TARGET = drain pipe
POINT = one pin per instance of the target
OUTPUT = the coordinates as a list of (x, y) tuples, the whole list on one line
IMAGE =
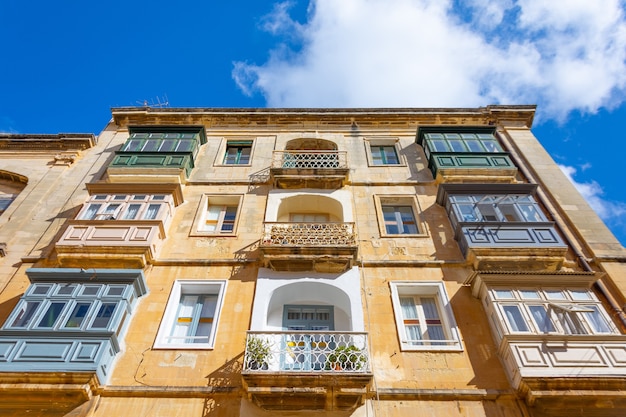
[(559, 222)]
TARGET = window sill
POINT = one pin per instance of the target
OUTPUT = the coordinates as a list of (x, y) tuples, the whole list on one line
[(198, 346), (419, 235), (211, 234)]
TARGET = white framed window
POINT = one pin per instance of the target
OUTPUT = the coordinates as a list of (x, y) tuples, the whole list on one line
[(537, 310), (191, 315), (398, 216), (125, 207), (383, 152), (218, 215), (423, 316)]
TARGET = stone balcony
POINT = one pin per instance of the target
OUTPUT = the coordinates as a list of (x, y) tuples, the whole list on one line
[(511, 246), (314, 370), (309, 169), (322, 247), (110, 243)]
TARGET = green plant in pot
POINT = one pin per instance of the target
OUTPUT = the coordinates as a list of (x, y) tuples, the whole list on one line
[(346, 358), (258, 353)]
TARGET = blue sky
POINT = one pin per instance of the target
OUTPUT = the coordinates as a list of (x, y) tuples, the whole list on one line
[(66, 63)]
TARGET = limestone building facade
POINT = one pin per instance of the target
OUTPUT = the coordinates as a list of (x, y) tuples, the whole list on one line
[(297, 262)]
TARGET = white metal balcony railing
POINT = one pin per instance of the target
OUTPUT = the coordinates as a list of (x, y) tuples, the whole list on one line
[(308, 234), (309, 352), (310, 159)]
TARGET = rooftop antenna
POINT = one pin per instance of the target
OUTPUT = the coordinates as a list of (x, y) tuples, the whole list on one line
[(158, 102)]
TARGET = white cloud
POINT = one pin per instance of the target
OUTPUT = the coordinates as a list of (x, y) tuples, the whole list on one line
[(563, 55), (609, 211)]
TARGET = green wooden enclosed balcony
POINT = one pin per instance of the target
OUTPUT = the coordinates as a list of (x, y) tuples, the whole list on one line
[(466, 156), (157, 154)]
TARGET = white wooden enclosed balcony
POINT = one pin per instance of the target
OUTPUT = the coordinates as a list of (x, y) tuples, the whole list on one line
[(306, 246), (325, 169), (307, 370), (119, 226)]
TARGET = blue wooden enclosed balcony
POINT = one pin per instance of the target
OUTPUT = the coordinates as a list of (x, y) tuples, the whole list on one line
[(469, 155), (502, 226)]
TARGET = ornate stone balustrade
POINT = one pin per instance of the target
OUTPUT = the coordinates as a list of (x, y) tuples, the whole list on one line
[(310, 159), (308, 234), (309, 352), (309, 169)]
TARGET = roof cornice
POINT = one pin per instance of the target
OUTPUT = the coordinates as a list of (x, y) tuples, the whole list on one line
[(518, 115)]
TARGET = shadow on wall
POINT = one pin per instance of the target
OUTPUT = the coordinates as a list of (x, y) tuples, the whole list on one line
[(226, 383)]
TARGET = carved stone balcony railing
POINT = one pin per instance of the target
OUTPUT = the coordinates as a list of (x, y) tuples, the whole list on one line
[(288, 370), (511, 245), (110, 243), (586, 368), (324, 247), (309, 169), (472, 167)]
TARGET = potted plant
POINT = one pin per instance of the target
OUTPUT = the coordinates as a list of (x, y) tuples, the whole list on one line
[(346, 358), (258, 353)]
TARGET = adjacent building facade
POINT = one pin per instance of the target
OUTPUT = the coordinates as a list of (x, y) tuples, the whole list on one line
[(263, 262)]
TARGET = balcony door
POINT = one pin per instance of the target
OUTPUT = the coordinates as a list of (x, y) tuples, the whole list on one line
[(305, 349)]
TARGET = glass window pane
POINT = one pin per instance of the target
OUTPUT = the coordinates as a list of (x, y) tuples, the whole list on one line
[(205, 320), (104, 315), (439, 146), (377, 155), (474, 145), (185, 146), (168, 145), (514, 318), (67, 289), (467, 213), (133, 145), (529, 294), (228, 223), (51, 315), (596, 319), (391, 222), (580, 295), (91, 211), (115, 291), (554, 295), (570, 322), (492, 146), (131, 212), (40, 289), (77, 316), (152, 145), (457, 145), (152, 211), (91, 290), (231, 156), (503, 294), (26, 312), (390, 155), (244, 155), (539, 314)]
